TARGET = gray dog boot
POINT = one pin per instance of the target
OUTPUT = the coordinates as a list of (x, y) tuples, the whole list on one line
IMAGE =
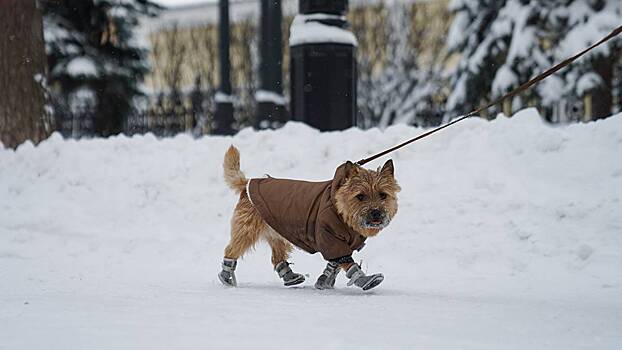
[(327, 278), (358, 278), (227, 275), (290, 278)]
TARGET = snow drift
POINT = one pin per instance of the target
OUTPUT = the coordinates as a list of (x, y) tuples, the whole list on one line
[(508, 236)]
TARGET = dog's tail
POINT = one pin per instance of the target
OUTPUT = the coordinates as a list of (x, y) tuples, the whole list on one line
[(234, 177)]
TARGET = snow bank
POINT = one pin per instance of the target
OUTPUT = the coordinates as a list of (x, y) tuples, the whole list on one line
[(508, 237)]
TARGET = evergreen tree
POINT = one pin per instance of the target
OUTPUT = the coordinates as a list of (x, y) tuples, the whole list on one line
[(480, 50), (500, 47), (383, 93), (95, 60), (400, 73), (398, 90), (578, 24), (505, 43)]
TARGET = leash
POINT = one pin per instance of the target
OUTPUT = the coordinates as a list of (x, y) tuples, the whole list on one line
[(512, 93)]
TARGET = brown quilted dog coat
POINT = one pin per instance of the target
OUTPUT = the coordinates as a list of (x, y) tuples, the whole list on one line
[(304, 213)]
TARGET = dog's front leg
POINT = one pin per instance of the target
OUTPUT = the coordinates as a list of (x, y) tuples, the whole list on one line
[(327, 278), (353, 272), (360, 279)]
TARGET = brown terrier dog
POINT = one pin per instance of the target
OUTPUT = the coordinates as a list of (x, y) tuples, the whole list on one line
[(332, 217)]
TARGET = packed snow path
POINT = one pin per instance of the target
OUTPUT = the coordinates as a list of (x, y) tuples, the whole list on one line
[(509, 236)]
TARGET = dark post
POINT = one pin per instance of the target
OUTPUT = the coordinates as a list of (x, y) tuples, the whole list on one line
[(223, 120), (323, 66), (271, 111)]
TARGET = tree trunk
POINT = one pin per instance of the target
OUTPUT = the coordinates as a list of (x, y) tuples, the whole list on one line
[(22, 72)]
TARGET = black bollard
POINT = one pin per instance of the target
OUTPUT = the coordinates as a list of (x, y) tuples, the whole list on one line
[(323, 66), (223, 118)]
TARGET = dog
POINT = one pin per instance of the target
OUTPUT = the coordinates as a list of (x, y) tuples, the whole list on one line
[(332, 217)]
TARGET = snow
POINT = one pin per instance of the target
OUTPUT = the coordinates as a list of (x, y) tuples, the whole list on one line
[(588, 27), (507, 237), (221, 97), (53, 31), (458, 95), (551, 90), (455, 36), (306, 30), (270, 96), (587, 82), (81, 66), (505, 79), (81, 99)]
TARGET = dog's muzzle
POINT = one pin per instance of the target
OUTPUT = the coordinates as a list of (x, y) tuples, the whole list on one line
[(376, 218)]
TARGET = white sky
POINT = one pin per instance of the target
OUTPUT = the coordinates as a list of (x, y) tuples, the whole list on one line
[(180, 2)]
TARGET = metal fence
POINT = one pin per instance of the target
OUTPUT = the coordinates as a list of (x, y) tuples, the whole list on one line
[(163, 123)]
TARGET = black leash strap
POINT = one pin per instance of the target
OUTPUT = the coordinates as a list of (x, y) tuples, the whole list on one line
[(512, 93)]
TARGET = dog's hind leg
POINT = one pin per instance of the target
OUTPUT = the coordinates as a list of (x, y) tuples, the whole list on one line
[(246, 227), (280, 247), (280, 253)]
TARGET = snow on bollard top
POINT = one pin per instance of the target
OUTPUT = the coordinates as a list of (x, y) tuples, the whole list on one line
[(306, 29)]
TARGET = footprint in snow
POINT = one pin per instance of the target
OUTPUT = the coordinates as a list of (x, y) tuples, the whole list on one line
[(584, 252)]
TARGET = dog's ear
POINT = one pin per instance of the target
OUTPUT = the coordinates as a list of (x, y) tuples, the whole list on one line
[(387, 168), (343, 172), (351, 169)]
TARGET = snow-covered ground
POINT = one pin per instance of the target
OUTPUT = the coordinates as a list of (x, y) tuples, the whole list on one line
[(509, 236)]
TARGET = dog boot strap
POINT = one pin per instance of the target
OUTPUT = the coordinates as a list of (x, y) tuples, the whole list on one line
[(327, 279), (331, 269), (229, 265), (354, 273), (283, 268)]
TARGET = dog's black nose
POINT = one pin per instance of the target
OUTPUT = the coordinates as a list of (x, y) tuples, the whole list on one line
[(375, 214)]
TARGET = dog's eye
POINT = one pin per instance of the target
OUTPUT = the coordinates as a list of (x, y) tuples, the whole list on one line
[(383, 195), (361, 197)]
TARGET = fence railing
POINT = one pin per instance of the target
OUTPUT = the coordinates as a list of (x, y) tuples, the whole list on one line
[(162, 123), (165, 119)]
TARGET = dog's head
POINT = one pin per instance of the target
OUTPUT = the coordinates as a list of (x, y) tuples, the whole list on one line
[(366, 199)]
